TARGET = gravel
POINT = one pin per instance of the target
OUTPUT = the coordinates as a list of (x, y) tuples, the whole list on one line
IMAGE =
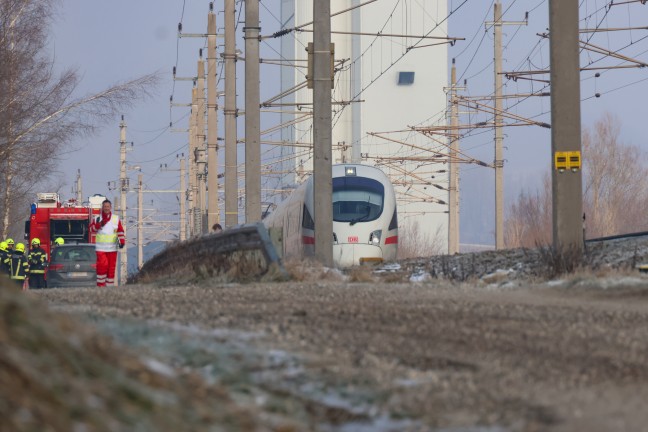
[(475, 342)]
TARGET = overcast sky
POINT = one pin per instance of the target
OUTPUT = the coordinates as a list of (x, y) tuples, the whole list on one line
[(117, 40)]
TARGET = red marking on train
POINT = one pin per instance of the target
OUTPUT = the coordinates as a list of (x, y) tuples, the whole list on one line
[(391, 240), (352, 239), (308, 240)]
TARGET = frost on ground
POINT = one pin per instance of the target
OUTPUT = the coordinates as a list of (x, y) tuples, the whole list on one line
[(387, 349), (60, 374)]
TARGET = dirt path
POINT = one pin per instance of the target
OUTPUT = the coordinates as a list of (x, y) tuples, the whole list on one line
[(532, 358)]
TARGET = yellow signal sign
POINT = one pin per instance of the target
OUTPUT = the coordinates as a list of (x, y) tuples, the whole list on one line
[(570, 160)]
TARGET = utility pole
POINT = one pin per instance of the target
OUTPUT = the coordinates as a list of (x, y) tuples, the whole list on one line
[(201, 159), (213, 213), (140, 222), (123, 180), (453, 186), (322, 134), (231, 180), (182, 195), (498, 121), (193, 138), (566, 129), (79, 189), (183, 192), (499, 135), (252, 114), (356, 82), (192, 166)]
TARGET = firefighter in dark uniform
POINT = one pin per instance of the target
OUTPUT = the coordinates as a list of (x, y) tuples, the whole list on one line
[(37, 263), (4, 254), (18, 265)]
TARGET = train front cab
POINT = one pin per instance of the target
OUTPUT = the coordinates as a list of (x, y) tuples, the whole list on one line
[(365, 226)]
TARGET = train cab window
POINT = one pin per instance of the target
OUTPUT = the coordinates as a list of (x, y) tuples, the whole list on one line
[(357, 199), (307, 220), (393, 224)]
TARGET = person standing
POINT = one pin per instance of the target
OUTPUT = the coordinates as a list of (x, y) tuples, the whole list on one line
[(57, 242), (18, 265), (4, 254), (109, 235), (37, 262)]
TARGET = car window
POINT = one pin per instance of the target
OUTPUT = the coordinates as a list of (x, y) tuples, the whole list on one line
[(58, 255), (75, 254)]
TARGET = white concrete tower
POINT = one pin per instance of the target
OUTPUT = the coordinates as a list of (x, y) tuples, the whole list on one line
[(383, 85)]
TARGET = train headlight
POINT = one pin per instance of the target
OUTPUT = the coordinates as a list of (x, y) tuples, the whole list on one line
[(374, 237)]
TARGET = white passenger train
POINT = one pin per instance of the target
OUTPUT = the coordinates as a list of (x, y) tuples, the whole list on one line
[(365, 223)]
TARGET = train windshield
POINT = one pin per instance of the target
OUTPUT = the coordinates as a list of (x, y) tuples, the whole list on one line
[(357, 199)]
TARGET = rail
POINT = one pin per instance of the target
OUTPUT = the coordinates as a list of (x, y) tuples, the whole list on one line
[(618, 237)]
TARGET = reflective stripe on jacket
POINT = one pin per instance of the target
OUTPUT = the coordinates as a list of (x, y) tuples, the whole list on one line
[(18, 266), (106, 238), (37, 260)]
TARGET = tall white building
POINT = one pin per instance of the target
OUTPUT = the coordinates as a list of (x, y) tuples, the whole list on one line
[(390, 75)]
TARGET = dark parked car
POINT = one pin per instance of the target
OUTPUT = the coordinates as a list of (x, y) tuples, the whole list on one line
[(73, 265)]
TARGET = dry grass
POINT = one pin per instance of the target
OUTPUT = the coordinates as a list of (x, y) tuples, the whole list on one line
[(361, 274), (415, 243), (558, 262), (395, 277), (599, 273), (58, 373), (310, 270)]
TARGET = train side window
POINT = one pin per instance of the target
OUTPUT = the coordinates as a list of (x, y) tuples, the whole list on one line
[(394, 221), (307, 220)]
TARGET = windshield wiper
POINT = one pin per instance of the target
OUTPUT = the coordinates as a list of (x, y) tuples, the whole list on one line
[(354, 221)]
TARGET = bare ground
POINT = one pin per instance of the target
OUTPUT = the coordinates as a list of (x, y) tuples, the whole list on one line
[(439, 355)]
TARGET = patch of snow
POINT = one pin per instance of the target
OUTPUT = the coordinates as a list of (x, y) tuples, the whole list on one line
[(497, 276), (215, 332), (159, 367), (380, 424), (509, 284), (389, 267), (608, 283), (420, 276)]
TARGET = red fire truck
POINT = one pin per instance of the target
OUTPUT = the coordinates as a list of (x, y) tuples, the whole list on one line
[(50, 218)]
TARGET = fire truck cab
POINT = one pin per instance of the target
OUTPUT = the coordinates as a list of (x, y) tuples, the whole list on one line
[(51, 218)]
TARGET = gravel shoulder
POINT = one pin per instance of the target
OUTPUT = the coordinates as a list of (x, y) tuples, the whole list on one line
[(437, 355)]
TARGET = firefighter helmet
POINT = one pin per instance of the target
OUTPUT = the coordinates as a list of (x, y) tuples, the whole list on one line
[(59, 241), (10, 241), (36, 241), (20, 247), (3, 246)]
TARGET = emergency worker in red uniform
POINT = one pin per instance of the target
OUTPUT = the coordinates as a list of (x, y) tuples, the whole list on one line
[(109, 235)]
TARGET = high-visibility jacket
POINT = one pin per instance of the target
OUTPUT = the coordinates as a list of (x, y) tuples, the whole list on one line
[(18, 266), (37, 260), (4, 254), (110, 235)]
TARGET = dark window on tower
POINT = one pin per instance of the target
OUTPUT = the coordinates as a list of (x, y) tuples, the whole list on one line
[(405, 78)]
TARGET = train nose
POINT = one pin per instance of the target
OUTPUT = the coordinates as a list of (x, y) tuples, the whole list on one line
[(348, 255)]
